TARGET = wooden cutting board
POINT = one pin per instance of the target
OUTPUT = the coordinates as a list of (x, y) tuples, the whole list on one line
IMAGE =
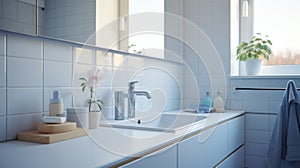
[(36, 136), (57, 128)]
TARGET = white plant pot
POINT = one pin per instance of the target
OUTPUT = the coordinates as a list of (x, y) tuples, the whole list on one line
[(94, 119), (253, 67), (80, 115)]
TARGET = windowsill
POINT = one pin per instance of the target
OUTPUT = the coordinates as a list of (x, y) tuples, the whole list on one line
[(265, 77)]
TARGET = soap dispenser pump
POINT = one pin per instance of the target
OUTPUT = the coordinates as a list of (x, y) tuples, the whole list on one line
[(56, 106)]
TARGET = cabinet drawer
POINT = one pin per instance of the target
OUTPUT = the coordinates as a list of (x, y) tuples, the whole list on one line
[(194, 153), (237, 159), (166, 157), (236, 133)]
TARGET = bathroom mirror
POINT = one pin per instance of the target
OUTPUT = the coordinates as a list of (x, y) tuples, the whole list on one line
[(104, 23), (19, 15)]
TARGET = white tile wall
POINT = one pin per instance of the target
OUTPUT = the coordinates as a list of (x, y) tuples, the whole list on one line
[(254, 136), (19, 123), (24, 72), (255, 162), (257, 122), (57, 74), (256, 149), (24, 100), (103, 58), (57, 51), (2, 102), (2, 42), (2, 71), (84, 55), (106, 95), (33, 74), (11, 10), (80, 99), (26, 13), (106, 76), (24, 46), (81, 70), (2, 129)]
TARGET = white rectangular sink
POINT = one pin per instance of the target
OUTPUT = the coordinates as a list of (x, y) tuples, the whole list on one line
[(165, 122)]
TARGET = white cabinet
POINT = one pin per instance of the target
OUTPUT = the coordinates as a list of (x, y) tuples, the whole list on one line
[(194, 153), (236, 159), (219, 146), (166, 157), (236, 133)]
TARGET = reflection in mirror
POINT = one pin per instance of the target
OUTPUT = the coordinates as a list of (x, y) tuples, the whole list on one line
[(104, 23), (19, 15), (70, 20)]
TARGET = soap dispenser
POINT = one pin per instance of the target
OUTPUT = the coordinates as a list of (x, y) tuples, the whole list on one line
[(56, 106), (218, 103), (207, 101), (206, 104)]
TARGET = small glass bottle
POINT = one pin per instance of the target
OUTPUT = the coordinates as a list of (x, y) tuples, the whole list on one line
[(56, 106), (218, 103)]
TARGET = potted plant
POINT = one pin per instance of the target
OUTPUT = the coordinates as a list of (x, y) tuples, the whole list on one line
[(95, 104), (252, 53)]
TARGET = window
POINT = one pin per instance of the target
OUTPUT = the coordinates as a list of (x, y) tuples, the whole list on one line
[(280, 21), (148, 43)]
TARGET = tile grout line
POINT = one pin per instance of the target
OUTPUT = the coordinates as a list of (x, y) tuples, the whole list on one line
[(6, 91), (43, 77)]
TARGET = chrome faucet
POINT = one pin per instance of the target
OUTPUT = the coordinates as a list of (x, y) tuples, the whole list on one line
[(131, 98)]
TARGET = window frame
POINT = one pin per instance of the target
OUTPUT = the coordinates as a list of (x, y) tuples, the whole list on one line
[(246, 31)]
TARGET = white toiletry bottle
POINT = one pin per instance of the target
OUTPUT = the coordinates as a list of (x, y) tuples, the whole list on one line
[(56, 106), (218, 103)]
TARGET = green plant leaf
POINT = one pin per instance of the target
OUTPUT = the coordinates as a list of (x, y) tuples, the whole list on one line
[(83, 88), (83, 79)]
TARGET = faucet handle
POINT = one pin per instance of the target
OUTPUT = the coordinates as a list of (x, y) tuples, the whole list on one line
[(131, 84)]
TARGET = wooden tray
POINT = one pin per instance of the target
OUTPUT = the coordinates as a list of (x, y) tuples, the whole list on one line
[(57, 128), (35, 136)]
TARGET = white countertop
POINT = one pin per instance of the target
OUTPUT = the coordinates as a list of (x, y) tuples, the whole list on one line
[(102, 147)]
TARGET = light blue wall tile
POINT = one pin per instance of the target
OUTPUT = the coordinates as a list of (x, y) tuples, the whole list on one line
[(79, 71), (24, 46), (23, 72), (2, 43), (2, 129), (57, 74), (104, 58), (106, 95), (24, 100), (2, 71), (26, 13), (236, 105), (120, 60), (256, 96), (257, 149), (257, 122), (19, 123), (255, 162), (274, 107), (258, 107), (57, 51), (2, 101), (272, 121), (254, 136), (84, 56), (120, 78), (11, 10)]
